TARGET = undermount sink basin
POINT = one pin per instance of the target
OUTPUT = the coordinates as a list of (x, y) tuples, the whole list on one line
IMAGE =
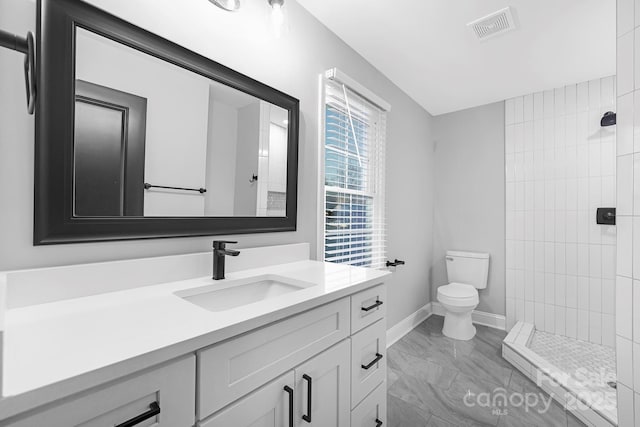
[(228, 294)]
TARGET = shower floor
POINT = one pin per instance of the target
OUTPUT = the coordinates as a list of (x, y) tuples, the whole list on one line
[(576, 373)]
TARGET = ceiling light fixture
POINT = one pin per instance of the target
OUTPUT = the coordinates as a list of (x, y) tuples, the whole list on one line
[(277, 16), (228, 5)]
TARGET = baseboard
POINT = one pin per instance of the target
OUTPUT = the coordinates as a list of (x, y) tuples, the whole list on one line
[(491, 320), (407, 324)]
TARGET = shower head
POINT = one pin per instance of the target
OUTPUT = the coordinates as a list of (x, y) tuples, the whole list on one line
[(609, 119)]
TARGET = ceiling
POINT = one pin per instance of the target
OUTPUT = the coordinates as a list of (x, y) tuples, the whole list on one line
[(426, 49)]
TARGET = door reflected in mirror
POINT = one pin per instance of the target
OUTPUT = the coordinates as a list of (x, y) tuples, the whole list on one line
[(153, 139)]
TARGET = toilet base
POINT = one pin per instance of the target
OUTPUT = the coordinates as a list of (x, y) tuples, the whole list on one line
[(458, 326)]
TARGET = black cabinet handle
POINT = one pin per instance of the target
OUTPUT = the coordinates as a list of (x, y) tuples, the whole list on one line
[(154, 409), (289, 390), (378, 423), (309, 380), (378, 303), (373, 362)]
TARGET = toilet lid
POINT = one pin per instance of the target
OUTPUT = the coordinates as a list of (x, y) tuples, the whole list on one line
[(457, 290)]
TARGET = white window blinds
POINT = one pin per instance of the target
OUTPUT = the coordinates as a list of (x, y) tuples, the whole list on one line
[(354, 179)]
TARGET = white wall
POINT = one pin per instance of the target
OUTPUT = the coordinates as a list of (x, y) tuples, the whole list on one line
[(628, 211), (177, 118), (247, 145), (469, 204), (560, 167), (292, 64), (221, 149)]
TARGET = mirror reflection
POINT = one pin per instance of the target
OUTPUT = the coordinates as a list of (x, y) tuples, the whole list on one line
[(153, 139)]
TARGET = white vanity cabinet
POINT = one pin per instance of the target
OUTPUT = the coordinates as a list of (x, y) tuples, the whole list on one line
[(162, 397)]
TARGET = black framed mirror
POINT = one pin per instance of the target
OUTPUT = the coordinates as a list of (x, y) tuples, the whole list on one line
[(138, 137)]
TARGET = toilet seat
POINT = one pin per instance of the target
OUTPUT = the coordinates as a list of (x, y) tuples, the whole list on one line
[(458, 295)]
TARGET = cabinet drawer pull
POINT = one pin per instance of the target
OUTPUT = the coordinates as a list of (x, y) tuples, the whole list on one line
[(154, 409), (289, 391), (378, 423), (378, 303), (373, 362), (309, 380)]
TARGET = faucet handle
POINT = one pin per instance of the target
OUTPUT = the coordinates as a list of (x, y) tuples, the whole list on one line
[(219, 244)]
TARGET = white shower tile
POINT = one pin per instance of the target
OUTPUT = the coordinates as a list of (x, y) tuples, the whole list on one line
[(549, 288), (609, 296), (510, 139), (560, 258), (509, 225), (625, 16), (570, 124), (520, 310), (549, 257), (528, 107), (583, 260), (538, 105), (572, 323), (539, 287), (518, 109), (561, 226), (582, 100), (608, 330), (509, 167), (538, 196), (595, 261), (608, 191), (518, 254), (529, 196), (583, 293), (538, 261), (594, 94), (548, 134), (519, 280), (539, 315), (636, 60), (518, 225), (509, 111), (549, 195), (571, 195), (561, 195), (582, 161), (572, 227), (519, 195), (510, 283), (510, 312), (595, 327), (637, 22), (561, 290), (636, 247), (595, 169), (529, 285), (549, 226), (583, 325), (624, 307), (636, 184), (608, 262), (548, 166), (608, 234), (608, 93), (549, 102), (538, 134), (608, 158), (549, 318), (560, 319), (538, 231), (625, 406), (529, 312), (624, 246), (625, 124), (624, 361), (595, 193), (636, 311), (559, 102), (595, 295), (624, 64), (636, 366), (625, 183), (529, 256), (510, 196), (571, 259), (572, 291)]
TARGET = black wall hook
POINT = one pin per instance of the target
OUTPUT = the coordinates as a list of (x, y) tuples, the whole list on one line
[(24, 45)]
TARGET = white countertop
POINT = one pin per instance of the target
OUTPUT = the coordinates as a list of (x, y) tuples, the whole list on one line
[(57, 349)]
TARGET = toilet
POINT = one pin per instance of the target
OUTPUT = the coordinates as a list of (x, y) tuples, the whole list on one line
[(467, 272)]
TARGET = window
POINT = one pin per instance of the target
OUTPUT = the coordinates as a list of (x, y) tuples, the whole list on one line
[(354, 147)]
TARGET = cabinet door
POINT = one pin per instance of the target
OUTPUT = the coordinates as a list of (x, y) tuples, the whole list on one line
[(269, 406), (327, 376), (368, 363), (372, 411), (163, 397)]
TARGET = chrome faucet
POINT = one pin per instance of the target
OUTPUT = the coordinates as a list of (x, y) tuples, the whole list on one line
[(219, 253)]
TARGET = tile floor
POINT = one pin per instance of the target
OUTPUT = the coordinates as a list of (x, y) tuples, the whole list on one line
[(435, 381)]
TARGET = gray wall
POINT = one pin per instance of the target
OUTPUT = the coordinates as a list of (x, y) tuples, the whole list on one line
[(292, 64), (470, 203)]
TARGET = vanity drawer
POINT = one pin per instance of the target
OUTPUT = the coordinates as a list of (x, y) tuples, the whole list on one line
[(368, 360), (171, 387), (367, 307), (234, 368), (373, 409)]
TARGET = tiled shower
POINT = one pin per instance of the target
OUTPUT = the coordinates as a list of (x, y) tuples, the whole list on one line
[(560, 167)]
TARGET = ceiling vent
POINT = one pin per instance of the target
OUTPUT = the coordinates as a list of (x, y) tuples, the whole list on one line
[(493, 24)]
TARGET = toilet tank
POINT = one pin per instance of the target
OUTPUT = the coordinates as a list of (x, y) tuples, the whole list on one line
[(471, 268)]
